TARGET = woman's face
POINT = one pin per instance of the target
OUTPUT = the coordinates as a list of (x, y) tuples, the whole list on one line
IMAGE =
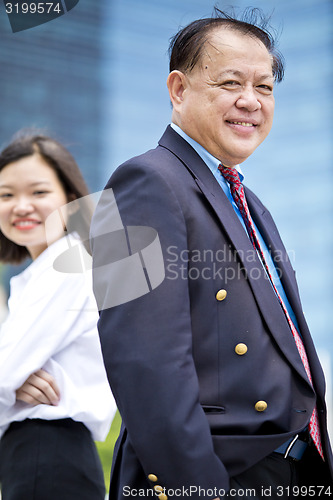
[(29, 192)]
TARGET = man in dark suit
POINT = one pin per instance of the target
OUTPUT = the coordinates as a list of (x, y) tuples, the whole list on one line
[(213, 370)]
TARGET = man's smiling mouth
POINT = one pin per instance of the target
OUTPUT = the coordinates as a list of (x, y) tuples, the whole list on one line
[(244, 124)]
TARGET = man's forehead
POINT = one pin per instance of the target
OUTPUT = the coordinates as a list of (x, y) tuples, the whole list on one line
[(230, 42), (223, 39), (242, 74)]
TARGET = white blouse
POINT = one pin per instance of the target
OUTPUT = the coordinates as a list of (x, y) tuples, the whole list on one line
[(52, 325)]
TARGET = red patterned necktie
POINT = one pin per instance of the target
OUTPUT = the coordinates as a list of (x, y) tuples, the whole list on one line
[(237, 191)]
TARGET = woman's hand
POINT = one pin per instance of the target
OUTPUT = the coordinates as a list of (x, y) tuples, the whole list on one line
[(39, 388)]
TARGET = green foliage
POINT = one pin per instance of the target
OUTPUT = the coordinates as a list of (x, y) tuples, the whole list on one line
[(105, 449)]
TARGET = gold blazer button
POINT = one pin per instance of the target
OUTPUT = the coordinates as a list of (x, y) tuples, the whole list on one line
[(260, 405), (221, 295), (241, 349), (152, 478)]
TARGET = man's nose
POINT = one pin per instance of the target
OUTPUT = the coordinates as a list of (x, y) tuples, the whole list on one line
[(248, 100)]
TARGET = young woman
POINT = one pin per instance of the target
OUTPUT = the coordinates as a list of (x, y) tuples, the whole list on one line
[(54, 396)]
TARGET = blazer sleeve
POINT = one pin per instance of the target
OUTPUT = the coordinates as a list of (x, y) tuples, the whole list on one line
[(147, 346)]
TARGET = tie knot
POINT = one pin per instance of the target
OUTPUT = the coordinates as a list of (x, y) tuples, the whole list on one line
[(230, 175)]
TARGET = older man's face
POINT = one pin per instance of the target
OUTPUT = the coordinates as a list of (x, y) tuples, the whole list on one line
[(227, 101)]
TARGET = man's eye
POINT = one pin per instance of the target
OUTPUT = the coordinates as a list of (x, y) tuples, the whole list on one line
[(265, 88)]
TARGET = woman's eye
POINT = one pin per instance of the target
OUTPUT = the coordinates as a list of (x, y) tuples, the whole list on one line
[(40, 192), (5, 195)]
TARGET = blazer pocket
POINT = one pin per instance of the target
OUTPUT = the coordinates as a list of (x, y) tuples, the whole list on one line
[(213, 409)]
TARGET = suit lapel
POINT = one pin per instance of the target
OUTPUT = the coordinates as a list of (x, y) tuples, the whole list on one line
[(265, 296), (269, 231), (270, 234)]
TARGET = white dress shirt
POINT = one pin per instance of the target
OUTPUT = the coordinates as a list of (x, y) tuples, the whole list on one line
[(52, 325)]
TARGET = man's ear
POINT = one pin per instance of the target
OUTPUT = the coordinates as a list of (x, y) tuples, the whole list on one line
[(176, 83)]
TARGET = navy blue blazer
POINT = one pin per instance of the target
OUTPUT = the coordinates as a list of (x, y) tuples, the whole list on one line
[(187, 399)]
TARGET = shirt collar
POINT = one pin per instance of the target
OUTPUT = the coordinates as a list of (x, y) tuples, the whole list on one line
[(46, 258), (211, 162)]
